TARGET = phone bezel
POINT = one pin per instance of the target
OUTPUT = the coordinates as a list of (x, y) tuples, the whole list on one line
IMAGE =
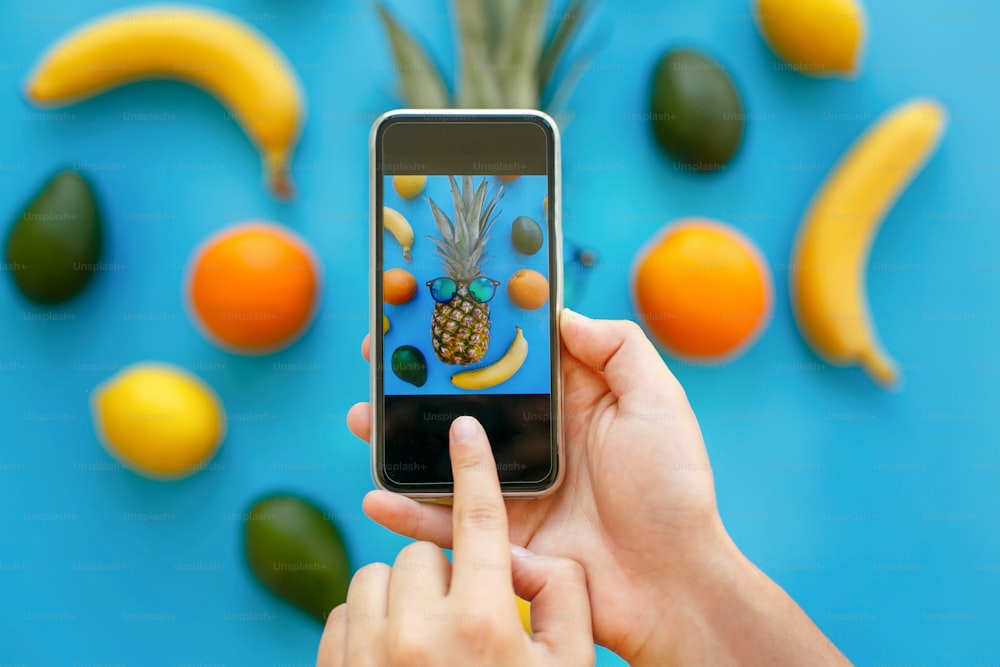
[(554, 168)]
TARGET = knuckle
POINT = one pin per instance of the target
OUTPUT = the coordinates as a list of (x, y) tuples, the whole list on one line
[(410, 647), (483, 515), (631, 329), (570, 571), (337, 615), (480, 633), (372, 571), (416, 552)]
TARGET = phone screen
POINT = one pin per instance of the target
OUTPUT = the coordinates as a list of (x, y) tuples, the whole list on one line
[(467, 314)]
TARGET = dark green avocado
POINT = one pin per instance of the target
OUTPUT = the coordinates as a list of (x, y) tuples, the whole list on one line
[(695, 110), (297, 553), (53, 249), (409, 365)]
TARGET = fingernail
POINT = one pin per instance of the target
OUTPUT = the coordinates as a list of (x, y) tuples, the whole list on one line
[(520, 552), (465, 429)]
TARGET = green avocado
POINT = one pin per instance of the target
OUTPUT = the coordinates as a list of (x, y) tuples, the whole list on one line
[(297, 553), (696, 111), (409, 365), (53, 249), (526, 235)]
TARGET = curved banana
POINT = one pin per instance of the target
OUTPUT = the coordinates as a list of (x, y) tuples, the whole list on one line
[(399, 227), (209, 49), (830, 256), (499, 371)]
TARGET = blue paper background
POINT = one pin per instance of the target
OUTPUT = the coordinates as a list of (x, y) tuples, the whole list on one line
[(411, 322), (877, 511)]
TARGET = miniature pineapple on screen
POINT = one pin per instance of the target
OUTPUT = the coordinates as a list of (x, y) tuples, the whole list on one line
[(460, 328)]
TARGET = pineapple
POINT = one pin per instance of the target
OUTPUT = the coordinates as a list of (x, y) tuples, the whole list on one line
[(460, 328), (506, 61)]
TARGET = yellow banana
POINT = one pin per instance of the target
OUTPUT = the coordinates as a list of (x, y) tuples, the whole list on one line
[(209, 49), (499, 371), (829, 261), (399, 227), (524, 611)]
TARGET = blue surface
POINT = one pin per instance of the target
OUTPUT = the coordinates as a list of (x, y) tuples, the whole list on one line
[(411, 322), (877, 511)]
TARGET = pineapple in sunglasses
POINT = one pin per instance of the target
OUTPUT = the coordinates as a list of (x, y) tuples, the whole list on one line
[(460, 329)]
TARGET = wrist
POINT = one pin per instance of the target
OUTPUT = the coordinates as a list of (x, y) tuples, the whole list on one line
[(691, 602), (722, 610)]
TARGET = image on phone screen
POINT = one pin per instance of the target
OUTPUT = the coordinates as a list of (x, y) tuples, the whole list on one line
[(467, 311)]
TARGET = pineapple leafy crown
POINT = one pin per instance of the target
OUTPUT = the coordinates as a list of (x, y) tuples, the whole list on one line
[(462, 243), (506, 60)]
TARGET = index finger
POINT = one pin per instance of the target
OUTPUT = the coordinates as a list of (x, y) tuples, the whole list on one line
[(481, 543)]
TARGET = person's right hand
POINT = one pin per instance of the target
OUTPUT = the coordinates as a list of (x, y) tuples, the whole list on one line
[(637, 506)]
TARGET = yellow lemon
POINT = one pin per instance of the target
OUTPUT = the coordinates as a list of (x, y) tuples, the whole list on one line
[(820, 38), (409, 187), (158, 420), (524, 610)]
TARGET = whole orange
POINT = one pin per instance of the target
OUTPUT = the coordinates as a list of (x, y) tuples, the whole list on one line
[(528, 289), (254, 288), (702, 290), (398, 286)]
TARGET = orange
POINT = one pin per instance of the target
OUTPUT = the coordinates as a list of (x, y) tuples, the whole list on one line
[(528, 289), (254, 287), (398, 287), (509, 178), (702, 290)]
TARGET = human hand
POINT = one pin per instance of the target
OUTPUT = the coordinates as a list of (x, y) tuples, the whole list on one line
[(428, 611), (637, 505)]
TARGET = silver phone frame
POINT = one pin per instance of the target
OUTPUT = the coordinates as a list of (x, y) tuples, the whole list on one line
[(557, 271)]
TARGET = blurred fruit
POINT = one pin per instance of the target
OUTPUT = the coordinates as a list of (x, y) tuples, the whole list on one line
[(385, 325), (398, 287), (254, 288), (409, 365), (828, 264), (509, 178), (212, 50), (526, 235), (499, 371), (524, 611), (54, 247), (508, 56), (702, 290), (820, 38), (294, 549), (400, 228), (158, 420), (528, 289), (696, 112), (409, 187)]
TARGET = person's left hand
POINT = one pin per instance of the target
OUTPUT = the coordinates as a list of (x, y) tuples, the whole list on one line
[(428, 611)]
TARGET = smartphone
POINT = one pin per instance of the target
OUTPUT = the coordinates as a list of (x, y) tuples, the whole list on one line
[(466, 289)]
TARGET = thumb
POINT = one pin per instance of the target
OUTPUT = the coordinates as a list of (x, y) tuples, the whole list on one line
[(633, 370), (560, 606)]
